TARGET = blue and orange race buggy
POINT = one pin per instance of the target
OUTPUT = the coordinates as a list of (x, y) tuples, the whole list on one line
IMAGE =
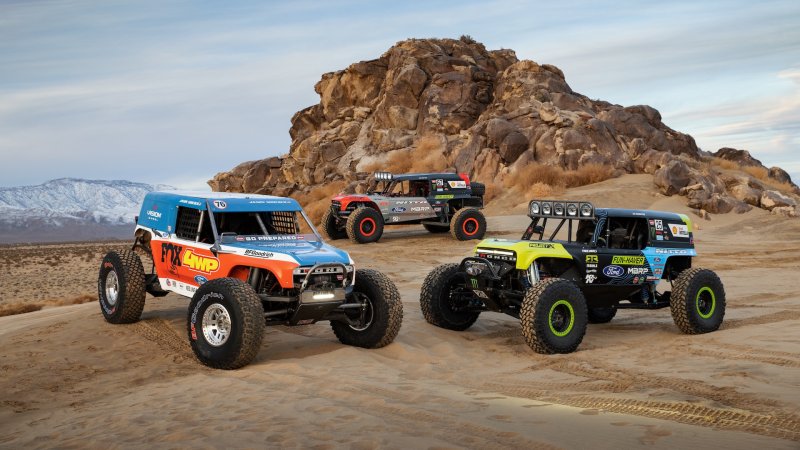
[(246, 261), (591, 263)]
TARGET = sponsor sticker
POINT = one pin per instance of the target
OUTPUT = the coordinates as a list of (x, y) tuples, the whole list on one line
[(200, 279), (590, 279), (199, 263), (444, 196), (219, 204), (628, 260), (672, 251), (679, 230), (541, 245), (591, 258), (461, 184), (613, 271), (258, 253), (398, 209), (659, 225), (637, 270)]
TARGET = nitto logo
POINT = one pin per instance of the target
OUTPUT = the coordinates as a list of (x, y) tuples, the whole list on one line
[(200, 263), (613, 271)]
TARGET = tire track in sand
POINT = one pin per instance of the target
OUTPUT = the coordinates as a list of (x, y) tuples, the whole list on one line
[(160, 332)]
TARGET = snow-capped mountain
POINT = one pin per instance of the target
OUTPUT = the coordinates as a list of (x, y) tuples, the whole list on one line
[(71, 209)]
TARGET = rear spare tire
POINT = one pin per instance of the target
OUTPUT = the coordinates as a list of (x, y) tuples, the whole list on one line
[(226, 323), (120, 287), (478, 189)]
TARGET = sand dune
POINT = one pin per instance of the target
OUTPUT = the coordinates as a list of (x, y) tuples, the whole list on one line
[(69, 379)]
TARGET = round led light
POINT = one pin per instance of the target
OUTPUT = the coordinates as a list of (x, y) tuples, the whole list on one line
[(572, 209), (586, 210), (546, 208), (535, 208), (558, 209)]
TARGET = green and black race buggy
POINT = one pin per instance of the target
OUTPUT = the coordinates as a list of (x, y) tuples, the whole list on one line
[(591, 263)]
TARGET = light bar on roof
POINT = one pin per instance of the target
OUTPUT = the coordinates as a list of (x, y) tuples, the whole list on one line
[(383, 175), (562, 209)]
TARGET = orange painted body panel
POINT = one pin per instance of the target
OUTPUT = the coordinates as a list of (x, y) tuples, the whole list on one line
[(183, 262)]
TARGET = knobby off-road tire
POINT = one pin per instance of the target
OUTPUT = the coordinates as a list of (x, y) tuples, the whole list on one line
[(436, 301), (120, 287), (364, 225), (697, 301), (553, 316), (383, 316), (329, 225), (468, 223), (602, 315), (478, 189), (436, 228), (225, 323)]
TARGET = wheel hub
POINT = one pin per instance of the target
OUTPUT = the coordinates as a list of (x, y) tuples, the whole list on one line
[(112, 287), (216, 325), (367, 313)]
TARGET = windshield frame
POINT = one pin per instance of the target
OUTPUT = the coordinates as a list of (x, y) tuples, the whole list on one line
[(309, 223)]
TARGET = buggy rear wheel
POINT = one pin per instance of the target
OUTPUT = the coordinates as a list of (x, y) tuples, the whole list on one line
[(697, 301), (120, 287), (602, 315)]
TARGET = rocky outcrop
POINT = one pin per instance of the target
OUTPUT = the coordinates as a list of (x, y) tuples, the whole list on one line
[(492, 114)]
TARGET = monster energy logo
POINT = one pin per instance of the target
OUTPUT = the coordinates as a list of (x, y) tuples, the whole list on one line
[(474, 283)]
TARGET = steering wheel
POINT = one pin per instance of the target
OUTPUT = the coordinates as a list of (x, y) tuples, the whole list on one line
[(601, 242)]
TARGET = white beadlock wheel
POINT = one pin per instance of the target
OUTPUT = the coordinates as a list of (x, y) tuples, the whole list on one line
[(216, 325)]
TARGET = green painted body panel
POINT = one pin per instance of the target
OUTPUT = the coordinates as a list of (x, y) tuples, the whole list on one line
[(526, 251)]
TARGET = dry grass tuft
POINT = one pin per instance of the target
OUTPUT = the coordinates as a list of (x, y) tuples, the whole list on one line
[(759, 173), (425, 157), (319, 199)]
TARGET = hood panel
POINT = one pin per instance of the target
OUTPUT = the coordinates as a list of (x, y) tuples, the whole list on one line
[(306, 253)]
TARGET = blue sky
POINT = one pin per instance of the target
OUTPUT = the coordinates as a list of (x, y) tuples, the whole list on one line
[(175, 91)]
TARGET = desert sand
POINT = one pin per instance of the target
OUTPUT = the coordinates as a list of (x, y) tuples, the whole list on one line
[(69, 379)]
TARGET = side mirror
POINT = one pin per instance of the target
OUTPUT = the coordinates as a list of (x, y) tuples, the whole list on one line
[(215, 249)]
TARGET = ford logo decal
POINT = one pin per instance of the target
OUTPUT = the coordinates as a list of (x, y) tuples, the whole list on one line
[(200, 279), (398, 209), (613, 271)]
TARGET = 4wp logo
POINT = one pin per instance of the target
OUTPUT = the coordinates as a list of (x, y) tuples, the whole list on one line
[(176, 256)]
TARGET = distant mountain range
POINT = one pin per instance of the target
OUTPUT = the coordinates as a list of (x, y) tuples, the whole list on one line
[(71, 209)]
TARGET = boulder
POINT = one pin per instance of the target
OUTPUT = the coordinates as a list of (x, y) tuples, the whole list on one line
[(741, 157), (672, 177), (774, 199)]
